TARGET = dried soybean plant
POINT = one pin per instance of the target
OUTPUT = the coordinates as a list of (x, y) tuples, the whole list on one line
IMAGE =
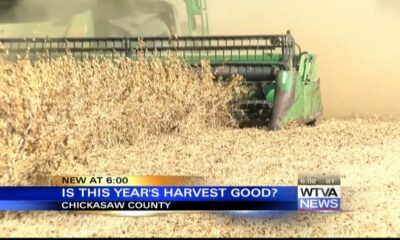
[(59, 110)]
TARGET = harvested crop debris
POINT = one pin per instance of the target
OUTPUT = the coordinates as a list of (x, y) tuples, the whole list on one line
[(64, 109)]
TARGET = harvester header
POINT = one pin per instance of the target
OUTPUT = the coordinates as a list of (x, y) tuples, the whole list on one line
[(281, 85)]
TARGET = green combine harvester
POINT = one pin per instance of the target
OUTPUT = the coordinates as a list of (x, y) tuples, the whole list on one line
[(282, 84)]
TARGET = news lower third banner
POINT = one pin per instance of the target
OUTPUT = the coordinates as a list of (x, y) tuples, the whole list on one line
[(170, 194)]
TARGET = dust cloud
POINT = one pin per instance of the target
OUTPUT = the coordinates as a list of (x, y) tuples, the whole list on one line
[(357, 42), (86, 18)]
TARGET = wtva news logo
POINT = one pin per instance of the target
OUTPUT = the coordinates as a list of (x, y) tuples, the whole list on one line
[(319, 194)]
